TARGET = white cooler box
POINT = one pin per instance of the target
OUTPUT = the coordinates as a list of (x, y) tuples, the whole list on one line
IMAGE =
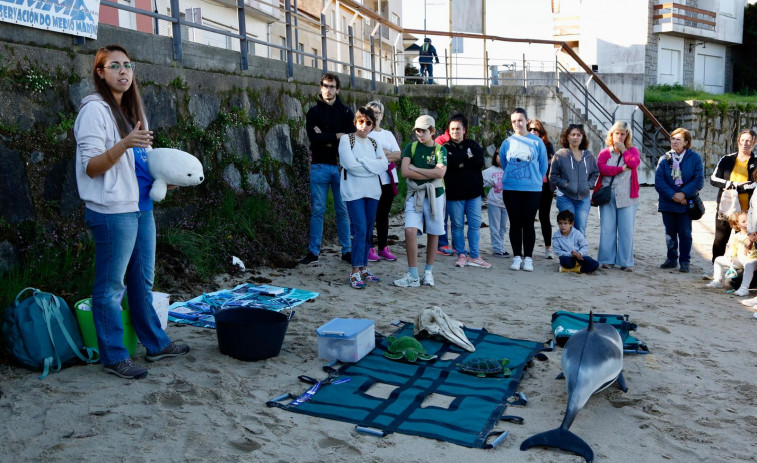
[(346, 339)]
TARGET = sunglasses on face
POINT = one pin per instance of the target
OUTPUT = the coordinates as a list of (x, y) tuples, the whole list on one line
[(531, 129), (114, 66), (576, 126), (366, 122)]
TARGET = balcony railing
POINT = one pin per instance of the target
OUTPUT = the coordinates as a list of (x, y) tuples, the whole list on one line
[(682, 15)]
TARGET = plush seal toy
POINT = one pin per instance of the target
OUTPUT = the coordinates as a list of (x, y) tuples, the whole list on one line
[(170, 166)]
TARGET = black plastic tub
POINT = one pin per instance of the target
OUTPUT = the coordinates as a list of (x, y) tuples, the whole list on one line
[(251, 334)]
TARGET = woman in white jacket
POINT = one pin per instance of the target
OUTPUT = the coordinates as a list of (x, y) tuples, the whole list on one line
[(362, 162), (112, 139)]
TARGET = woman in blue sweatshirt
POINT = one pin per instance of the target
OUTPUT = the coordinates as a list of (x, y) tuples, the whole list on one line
[(524, 161)]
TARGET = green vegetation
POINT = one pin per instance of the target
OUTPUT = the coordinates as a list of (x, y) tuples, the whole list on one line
[(673, 93)]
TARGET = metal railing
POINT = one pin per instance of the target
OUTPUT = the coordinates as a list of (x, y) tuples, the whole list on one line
[(577, 87)]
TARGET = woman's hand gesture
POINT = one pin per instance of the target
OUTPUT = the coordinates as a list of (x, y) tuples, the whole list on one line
[(138, 137)]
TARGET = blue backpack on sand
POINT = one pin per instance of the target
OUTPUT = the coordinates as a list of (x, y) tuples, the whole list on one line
[(42, 334)]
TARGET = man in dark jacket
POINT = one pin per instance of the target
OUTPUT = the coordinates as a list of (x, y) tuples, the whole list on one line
[(426, 59), (325, 123)]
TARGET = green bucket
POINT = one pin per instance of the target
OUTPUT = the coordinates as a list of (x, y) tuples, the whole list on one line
[(83, 311)]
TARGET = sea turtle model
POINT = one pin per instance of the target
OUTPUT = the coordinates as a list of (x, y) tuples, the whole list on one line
[(407, 347), (483, 367)]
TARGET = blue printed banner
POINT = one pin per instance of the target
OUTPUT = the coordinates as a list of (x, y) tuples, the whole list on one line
[(74, 17)]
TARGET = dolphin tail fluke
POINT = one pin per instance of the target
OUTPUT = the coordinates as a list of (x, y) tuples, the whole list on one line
[(561, 439)]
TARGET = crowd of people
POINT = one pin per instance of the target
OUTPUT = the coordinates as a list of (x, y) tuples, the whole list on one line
[(447, 179)]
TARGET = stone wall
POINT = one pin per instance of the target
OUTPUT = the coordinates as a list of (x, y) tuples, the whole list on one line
[(714, 127)]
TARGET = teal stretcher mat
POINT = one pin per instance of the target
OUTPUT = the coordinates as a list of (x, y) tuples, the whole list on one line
[(475, 404)]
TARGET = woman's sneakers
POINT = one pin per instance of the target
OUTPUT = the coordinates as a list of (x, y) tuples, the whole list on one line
[(741, 292), (714, 284), (407, 281), (387, 255), (478, 262), (357, 282), (126, 369), (517, 263), (548, 254), (368, 277), (445, 251), (372, 256), (462, 259)]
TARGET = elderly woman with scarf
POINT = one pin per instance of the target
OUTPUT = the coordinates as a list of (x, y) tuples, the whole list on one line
[(679, 177)]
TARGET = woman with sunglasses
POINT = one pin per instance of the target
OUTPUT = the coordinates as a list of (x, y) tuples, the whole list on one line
[(618, 217), (362, 161), (678, 178), (524, 161), (574, 173), (112, 140), (547, 189), (388, 144)]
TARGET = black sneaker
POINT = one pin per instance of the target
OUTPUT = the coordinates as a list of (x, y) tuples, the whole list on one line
[(309, 259), (347, 257), (669, 263), (684, 267), (126, 369), (172, 350)]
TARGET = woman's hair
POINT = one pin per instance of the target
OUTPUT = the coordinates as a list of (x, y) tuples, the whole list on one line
[(686, 135), (459, 117), (495, 160), (564, 136), (377, 105), (620, 125), (367, 113), (733, 219), (520, 111), (130, 111), (536, 123)]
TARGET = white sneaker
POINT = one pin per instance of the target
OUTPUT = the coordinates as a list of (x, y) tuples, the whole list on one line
[(741, 292), (407, 281), (517, 263), (428, 278), (714, 284), (528, 264), (749, 302), (548, 254)]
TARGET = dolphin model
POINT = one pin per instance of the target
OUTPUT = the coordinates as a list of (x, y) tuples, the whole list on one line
[(592, 360)]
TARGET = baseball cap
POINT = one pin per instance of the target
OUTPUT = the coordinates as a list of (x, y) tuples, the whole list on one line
[(424, 122)]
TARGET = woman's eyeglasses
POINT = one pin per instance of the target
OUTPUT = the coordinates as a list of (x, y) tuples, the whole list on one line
[(531, 129), (366, 122), (576, 126), (117, 66)]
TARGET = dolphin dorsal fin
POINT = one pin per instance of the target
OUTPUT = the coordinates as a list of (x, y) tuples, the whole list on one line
[(591, 321)]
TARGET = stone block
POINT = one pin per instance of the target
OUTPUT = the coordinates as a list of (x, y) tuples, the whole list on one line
[(278, 144), (292, 108), (240, 141), (79, 90), (258, 184), (160, 107), (8, 256), (204, 108), (233, 178)]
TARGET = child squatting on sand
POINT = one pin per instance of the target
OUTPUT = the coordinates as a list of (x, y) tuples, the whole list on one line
[(743, 256), (570, 246)]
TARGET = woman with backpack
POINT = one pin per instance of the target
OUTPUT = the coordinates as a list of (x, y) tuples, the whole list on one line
[(112, 139), (362, 163)]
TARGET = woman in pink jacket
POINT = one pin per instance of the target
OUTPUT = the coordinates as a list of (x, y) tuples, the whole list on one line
[(616, 219)]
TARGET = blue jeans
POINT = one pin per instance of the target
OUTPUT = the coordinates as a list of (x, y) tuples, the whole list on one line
[(443, 239), (362, 215), (588, 265), (678, 235), (580, 209), (497, 227), (323, 176), (458, 211), (124, 252), (616, 227)]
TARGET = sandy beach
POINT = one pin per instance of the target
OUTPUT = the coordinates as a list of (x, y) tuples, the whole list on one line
[(694, 398)]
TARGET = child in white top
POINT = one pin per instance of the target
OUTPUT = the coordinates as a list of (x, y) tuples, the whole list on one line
[(743, 255), (495, 206)]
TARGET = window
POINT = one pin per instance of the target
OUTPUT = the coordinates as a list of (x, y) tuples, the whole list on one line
[(283, 52), (300, 56), (395, 19), (343, 30), (314, 61)]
